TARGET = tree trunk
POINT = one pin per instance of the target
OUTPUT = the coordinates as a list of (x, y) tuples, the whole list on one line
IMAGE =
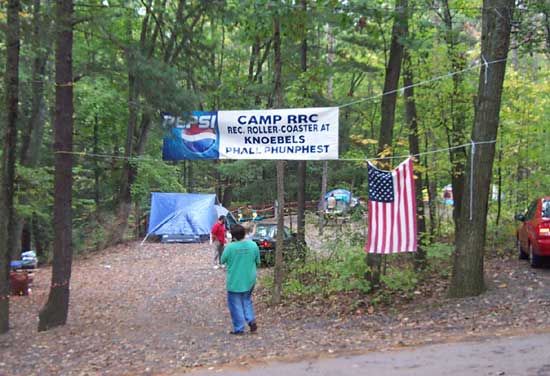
[(457, 133), (467, 277), (136, 138), (128, 170), (324, 176), (278, 101), (432, 197), (302, 165), (56, 310), (393, 71), (414, 148), (97, 168), (11, 80), (124, 204), (32, 134), (41, 237), (499, 194)]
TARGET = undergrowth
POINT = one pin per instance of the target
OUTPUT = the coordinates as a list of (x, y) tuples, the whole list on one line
[(340, 269)]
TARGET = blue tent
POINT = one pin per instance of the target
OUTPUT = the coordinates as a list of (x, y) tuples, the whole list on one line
[(340, 195), (188, 214)]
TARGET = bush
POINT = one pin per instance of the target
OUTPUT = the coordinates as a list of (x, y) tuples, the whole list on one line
[(343, 271), (399, 280)]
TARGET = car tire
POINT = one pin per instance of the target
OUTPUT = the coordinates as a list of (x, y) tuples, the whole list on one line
[(534, 260), (521, 254)]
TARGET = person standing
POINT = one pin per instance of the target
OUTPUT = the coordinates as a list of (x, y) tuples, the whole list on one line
[(218, 240), (331, 203), (242, 257)]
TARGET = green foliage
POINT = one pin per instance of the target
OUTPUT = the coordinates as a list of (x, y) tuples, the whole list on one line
[(215, 70), (439, 257), (342, 272), (439, 251), (154, 176), (399, 280)]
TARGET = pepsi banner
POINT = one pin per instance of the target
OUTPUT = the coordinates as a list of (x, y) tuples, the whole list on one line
[(294, 134)]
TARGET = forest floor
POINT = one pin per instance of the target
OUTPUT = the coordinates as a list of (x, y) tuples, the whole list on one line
[(160, 309)]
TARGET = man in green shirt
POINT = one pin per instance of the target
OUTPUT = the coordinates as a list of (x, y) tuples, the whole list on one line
[(242, 256)]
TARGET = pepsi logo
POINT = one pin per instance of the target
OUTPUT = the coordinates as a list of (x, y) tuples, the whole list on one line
[(199, 135)]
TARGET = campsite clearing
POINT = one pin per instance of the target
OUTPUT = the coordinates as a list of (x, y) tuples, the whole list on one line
[(160, 309)]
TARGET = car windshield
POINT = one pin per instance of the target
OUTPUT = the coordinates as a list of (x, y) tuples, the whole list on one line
[(266, 231), (546, 208), (270, 231)]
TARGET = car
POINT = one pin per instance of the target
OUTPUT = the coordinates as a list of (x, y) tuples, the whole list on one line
[(533, 235), (265, 236)]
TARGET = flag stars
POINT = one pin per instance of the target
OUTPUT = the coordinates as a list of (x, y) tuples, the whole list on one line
[(380, 185)]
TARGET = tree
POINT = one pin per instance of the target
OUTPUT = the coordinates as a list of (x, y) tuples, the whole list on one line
[(7, 219), (393, 71), (278, 101), (467, 276), (457, 104), (414, 148), (146, 68), (302, 165), (55, 312), (32, 133)]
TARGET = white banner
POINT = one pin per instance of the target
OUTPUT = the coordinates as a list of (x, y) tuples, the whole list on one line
[(299, 134), (292, 134)]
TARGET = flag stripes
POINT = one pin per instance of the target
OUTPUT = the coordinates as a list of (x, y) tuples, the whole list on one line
[(392, 210)]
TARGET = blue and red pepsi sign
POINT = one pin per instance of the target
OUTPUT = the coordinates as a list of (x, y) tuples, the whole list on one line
[(299, 134), (194, 137)]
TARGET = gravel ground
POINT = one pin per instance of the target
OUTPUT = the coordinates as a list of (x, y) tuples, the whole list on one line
[(160, 309)]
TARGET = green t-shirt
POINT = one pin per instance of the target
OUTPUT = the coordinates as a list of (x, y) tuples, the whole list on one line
[(241, 258)]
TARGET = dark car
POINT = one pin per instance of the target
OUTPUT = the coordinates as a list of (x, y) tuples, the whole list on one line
[(265, 235), (533, 235)]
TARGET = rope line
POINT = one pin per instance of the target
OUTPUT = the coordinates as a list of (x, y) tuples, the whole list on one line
[(437, 78), (484, 63), (339, 159), (418, 154)]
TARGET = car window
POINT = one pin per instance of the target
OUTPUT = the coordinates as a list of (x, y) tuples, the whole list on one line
[(271, 231), (262, 231), (546, 208), (531, 211)]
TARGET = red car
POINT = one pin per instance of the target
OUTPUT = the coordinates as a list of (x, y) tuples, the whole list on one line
[(533, 236)]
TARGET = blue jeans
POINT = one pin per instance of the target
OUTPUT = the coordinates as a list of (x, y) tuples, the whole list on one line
[(241, 309)]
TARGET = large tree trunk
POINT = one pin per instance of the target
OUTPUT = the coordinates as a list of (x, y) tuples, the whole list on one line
[(414, 148), (393, 71), (56, 310), (467, 278), (278, 101), (7, 219)]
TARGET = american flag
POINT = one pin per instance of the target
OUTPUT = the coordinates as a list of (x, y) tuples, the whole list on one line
[(392, 210)]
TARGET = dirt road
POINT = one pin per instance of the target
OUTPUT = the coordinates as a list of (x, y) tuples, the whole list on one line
[(510, 356), (160, 309)]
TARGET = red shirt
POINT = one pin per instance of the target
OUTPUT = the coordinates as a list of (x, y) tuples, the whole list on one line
[(218, 232)]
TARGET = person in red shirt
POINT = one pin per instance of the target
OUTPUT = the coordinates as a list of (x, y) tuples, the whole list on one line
[(218, 240)]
